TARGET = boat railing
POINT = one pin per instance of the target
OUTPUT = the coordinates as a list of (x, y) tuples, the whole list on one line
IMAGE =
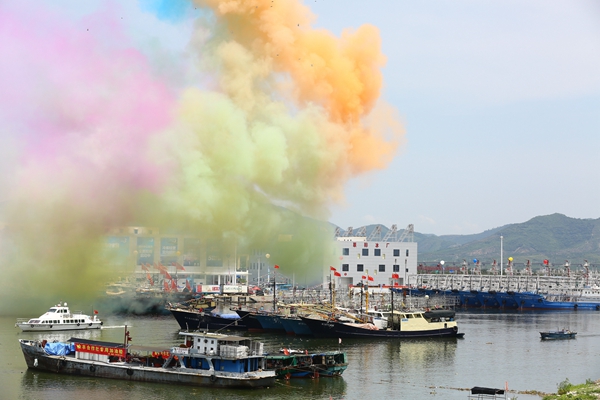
[(23, 320)]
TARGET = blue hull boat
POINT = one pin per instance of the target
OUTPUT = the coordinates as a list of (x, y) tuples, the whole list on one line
[(558, 335)]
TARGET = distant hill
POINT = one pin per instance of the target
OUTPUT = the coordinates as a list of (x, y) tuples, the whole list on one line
[(554, 237)]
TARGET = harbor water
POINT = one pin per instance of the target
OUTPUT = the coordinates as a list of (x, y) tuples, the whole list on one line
[(498, 349)]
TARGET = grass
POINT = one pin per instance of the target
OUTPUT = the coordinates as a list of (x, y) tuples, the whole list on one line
[(590, 390)]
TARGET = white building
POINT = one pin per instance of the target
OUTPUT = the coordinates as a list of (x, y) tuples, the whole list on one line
[(374, 260)]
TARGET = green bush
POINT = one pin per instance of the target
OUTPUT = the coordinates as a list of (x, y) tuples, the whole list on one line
[(564, 387)]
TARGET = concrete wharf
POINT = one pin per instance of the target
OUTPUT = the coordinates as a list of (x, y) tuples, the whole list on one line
[(502, 283)]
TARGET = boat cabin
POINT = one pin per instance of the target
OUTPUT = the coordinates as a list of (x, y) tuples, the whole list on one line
[(484, 393)]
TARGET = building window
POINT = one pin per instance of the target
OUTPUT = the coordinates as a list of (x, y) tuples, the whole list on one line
[(396, 252), (135, 231), (345, 251), (365, 252), (360, 268), (406, 252), (345, 267), (381, 267), (377, 252), (396, 268)]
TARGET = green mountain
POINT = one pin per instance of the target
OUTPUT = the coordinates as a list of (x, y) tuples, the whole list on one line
[(555, 237)]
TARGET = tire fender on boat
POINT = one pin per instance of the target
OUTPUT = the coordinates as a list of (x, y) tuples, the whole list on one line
[(90, 324), (78, 324), (32, 325), (35, 362), (92, 368), (50, 326), (129, 371), (213, 378)]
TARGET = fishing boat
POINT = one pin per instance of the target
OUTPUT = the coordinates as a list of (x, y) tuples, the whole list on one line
[(203, 359), (191, 318), (60, 318), (307, 365), (401, 324), (558, 335)]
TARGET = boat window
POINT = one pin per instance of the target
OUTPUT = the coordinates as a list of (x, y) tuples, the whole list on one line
[(52, 310)]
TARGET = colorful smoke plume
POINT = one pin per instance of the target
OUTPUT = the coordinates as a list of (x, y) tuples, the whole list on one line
[(257, 142)]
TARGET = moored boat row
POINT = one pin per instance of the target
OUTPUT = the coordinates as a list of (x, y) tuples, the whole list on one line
[(506, 299), (330, 322)]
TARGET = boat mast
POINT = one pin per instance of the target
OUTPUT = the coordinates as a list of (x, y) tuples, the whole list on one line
[(392, 301)]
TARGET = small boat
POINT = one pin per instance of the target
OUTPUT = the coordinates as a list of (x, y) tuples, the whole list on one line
[(485, 393), (304, 365), (59, 318), (203, 359), (557, 335)]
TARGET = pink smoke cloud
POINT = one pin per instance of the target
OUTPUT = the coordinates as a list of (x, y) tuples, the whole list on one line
[(76, 96)]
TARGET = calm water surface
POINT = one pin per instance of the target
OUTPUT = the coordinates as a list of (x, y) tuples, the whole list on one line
[(497, 348)]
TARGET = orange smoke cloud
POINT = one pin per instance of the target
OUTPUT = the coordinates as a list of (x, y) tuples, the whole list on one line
[(342, 75)]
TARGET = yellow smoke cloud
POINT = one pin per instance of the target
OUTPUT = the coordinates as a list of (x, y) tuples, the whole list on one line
[(288, 116)]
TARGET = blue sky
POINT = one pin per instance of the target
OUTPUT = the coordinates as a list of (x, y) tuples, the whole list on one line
[(501, 104), (500, 101)]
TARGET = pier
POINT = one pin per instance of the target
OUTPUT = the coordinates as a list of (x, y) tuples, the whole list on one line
[(549, 285)]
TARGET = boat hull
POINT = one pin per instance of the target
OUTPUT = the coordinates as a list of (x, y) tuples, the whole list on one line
[(323, 328), (250, 321), (37, 359), (194, 320), (26, 327), (298, 326), (560, 335), (270, 323)]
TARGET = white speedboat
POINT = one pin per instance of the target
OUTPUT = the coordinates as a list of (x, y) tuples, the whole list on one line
[(59, 318)]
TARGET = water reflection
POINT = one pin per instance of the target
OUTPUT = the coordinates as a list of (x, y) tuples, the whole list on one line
[(50, 386)]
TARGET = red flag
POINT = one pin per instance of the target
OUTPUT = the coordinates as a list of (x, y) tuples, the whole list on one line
[(187, 285), (179, 267), (173, 285), (370, 278), (95, 311), (166, 286), (150, 279), (144, 267), (395, 276), (286, 352), (337, 274), (332, 269), (276, 266), (166, 274), (363, 277)]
